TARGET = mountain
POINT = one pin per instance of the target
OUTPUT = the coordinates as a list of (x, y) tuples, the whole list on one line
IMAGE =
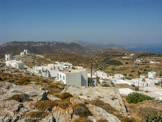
[(16, 47), (123, 50)]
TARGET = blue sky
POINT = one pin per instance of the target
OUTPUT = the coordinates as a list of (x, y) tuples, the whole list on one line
[(130, 22)]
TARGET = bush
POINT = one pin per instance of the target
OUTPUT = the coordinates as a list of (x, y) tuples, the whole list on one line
[(19, 97), (137, 97), (136, 88), (64, 95), (82, 119), (81, 110), (35, 116), (49, 104), (105, 85), (153, 117), (45, 104), (111, 62)]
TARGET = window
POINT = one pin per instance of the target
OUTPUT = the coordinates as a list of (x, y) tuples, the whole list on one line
[(60, 76), (63, 77)]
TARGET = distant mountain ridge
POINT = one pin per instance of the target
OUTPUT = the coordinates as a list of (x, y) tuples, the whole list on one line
[(16, 47), (39, 47)]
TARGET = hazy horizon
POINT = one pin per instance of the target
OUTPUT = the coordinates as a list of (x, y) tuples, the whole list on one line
[(122, 22)]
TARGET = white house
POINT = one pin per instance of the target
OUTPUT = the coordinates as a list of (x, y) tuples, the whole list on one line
[(45, 71), (74, 77), (152, 75), (24, 53), (143, 83), (119, 76), (154, 62), (15, 64), (8, 57), (132, 54), (101, 74), (137, 61)]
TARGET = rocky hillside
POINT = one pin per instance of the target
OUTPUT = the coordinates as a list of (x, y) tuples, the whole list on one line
[(41, 47)]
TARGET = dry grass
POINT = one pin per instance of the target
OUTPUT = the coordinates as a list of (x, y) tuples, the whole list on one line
[(82, 119), (103, 105), (45, 104), (49, 104), (64, 95), (139, 110), (35, 116), (19, 97), (81, 110), (111, 110)]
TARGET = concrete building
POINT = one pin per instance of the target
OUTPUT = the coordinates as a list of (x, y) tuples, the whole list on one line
[(152, 75), (15, 64), (8, 57), (73, 77)]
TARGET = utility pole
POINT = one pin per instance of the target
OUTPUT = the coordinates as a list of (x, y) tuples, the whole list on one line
[(91, 72)]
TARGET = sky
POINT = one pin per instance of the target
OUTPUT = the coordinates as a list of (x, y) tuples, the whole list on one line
[(130, 22)]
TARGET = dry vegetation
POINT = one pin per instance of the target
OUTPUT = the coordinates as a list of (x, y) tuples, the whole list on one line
[(35, 116), (19, 97), (33, 60), (140, 110), (103, 61), (25, 80), (77, 60), (111, 110), (81, 110)]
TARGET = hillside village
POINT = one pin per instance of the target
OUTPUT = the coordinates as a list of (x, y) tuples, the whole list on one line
[(55, 90)]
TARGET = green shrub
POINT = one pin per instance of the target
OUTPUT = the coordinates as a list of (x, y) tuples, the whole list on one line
[(137, 97), (105, 85), (19, 97), (153, 117)]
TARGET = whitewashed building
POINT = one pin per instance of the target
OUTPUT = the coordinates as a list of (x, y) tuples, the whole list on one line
[(101, 74), (73, 77), (45, 71), (24, 53), (152, 75), (143, 82), (15, 64), (8, 57), (119, 76), (154, 62)]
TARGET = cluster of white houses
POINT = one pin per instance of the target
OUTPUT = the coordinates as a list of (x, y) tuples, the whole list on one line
[(64, 72), (78, 76)]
